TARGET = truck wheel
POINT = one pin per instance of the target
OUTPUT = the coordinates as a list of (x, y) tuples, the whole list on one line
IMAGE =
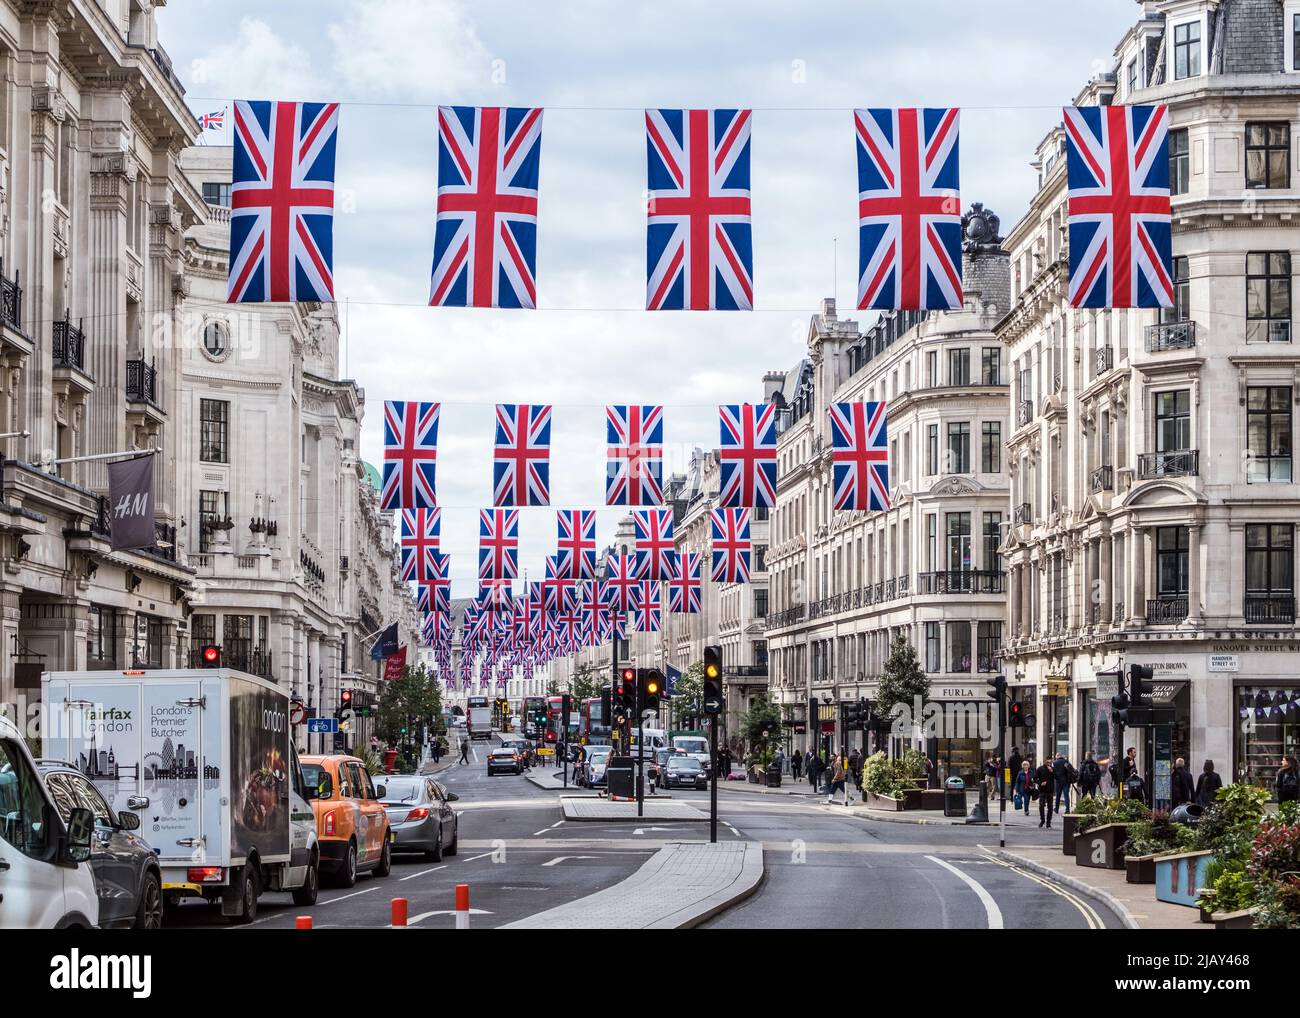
[(306, 894), (385, 866), (150, 913), (347, 874), (248, 898)]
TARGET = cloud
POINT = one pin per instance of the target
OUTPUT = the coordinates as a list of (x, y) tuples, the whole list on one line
[(256, 64)]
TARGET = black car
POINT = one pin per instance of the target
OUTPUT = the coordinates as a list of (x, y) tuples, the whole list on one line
[(505, 758), (684, 772), (125, 868), (419, 814)]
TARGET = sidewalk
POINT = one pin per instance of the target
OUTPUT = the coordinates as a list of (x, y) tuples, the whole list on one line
[(680, 886), (578, 807), (1135, 904)]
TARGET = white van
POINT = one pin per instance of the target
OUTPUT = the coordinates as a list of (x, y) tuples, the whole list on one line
[(45, 876)]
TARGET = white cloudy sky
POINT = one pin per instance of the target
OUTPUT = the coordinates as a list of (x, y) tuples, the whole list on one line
[(594, 65)]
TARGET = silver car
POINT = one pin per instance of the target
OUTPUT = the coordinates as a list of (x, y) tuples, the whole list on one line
[(419, 814)]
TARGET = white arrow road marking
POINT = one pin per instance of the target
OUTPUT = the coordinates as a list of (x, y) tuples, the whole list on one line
[(560, 858), (423, 873), (642, 830), (447, 911), (990, 906)]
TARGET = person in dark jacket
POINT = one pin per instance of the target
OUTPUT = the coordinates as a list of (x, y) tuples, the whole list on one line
[(1024, 785), (1045, 778), (1064, 777), (1207, 785), (796, 765), (813, 767), (1288, 780), (1130, 766), (1014, 761), (1181, 789), (1089, 775)]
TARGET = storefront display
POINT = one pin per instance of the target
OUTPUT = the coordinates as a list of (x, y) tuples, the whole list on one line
[(1268, 727)]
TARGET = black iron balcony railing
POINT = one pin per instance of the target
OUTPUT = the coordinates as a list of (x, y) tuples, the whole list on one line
[(1166, 610), (1269, 609), (69, 344), (1024, 413), (254, 662), (1103, 479), (142, 382), (1105, 359), (1176, 463), (1021, 515), (785, 618), (961, 581), (11, 300), (747, 671), (1171, 336)]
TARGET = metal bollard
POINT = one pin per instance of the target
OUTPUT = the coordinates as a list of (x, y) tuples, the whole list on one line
[(462, 906), (399, 911), (302, 922)]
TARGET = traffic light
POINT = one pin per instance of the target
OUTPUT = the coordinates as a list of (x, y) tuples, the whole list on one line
[(1139, 685), (855, 715), (712, 680), (998, 694), (606, 703), (651, 687), (566, 708), (1016, 718), (210, 656), (625, 689)]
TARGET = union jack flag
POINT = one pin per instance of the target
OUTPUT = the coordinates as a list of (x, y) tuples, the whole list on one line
[(620, 578), (410, 455), (435, 628), (438, 581), (748, 455), (859, 455), (485, 239), (635, 435), (1117, 160), (592, 608), (648, 607), (684, 587), (656, 553), (909, 209), (699, 244), (498, 544), (282, 202), (421, 532), (575, 555), (731, 545), (521, 469), (494, 598), (554, 586), (212, 121)]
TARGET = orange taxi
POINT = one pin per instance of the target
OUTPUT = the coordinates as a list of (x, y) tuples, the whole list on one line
[(351, 823)]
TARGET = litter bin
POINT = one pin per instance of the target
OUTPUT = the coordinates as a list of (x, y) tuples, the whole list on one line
[(773, 775), (954, 797)]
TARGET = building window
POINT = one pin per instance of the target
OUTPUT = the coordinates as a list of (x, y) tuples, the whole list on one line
[(992, 539), (216, 340), (933, 648), (1268, 154), (1270, 559), (1179, 312), (959, 646), (211, 512), (932, 450), (217, 193), (990, 642), (214, 431), (931, 542), (1173, 420), (958, 447), (931, 368), (101, 636), (237, 640), (1268, 297), (991, 366), (959, 366), (1171, 561), (760, 558), (1187, 50), (959, 546), (760, 604), (1132, 77), (1268, 433), (1295, 39), (148, 642), (991, 448), (1270, 728), (1179, 162), (203, 630)]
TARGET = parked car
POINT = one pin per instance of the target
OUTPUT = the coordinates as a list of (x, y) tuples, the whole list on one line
[(505, 759), (128, 881), (420, 815), (593, 768), (351, 823), (682, 771), (45, 877)]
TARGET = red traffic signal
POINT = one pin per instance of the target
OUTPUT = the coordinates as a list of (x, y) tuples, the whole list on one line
[(210, 656), (346, 697)]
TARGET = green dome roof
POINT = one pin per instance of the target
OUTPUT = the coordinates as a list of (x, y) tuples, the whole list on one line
[(372, 475)]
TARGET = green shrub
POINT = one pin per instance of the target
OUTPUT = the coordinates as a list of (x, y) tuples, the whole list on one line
[(1156, 835), (1229, 889), (1113, 811), (1229, 825)]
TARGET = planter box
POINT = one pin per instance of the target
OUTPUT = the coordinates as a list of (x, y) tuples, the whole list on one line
[(885, 802), (1069, 821), (932, 798), (911, 798), (1242, 920), (1179, 878), (1101, 847), (1140, 869)]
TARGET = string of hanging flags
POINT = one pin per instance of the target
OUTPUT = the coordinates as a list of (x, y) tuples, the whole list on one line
[(699, 233)]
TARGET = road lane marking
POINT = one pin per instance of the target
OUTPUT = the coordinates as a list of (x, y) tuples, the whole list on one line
[(1090, 915), (447, 911), (425, 873), (560, 858), (345, 897), (990, 906), (472, 858)]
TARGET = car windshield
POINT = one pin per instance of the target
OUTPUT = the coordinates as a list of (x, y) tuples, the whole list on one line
[(598, 756), (685, 763), (312, 774), (691, 745), (397, 790)]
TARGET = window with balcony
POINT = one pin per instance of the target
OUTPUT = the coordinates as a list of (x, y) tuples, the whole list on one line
[(992, 539), (959, 366), (217, 193), (1268, 433), (1270, 573), (1173, 420), (1187, 50), (1268, 154), (991, 447), (1268, 297), (933, 647), (989, 643), (212, 505), (214, 431), (991, 366), (1171, 561), (959, 542), (958, 447), (959, 646), (1179, 162)]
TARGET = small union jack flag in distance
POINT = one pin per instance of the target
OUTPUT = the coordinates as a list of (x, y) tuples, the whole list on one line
[(620, 578), (213, 121), (859, 456), (648, 606), (684, 587), (656, 552), (635, 436), (521, 469), (410, 455), (731, 545), (748, 455), (575, 548)]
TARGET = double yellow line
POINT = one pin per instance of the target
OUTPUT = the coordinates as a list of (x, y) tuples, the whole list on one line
[(1089, 914)]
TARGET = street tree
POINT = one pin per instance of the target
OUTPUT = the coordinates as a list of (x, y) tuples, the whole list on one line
[(901, 681), (688, 694), (409, 704), (761, 727), (585, 683)]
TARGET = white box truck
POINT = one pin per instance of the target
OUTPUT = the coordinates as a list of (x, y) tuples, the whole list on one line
[(228, 813), (480, 722)]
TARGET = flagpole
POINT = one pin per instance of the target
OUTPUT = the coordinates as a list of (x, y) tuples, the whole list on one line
[(127, 454)]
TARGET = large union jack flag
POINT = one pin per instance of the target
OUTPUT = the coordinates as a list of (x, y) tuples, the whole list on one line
[(699, 245), (282, 202), (620, 578), (1117, 160), (635, 436), (684, 587), (909, 209), (554, 586), (521, 469), (485, 241), (575, 544), (421, 534), (648, 606), (748, 455), (656, 552), (731, 545), (410, 455), (859, 456), (498, 544)]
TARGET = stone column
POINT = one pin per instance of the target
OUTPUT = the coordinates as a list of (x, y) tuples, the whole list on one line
[(1194, 574), (1149, 579), (1135, 575), (1106, 549)]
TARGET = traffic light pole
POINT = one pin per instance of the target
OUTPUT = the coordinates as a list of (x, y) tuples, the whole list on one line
[(1002, 767), (713, 779)]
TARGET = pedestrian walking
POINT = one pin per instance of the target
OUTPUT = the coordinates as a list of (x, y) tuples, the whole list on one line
[(812, 767), (1014, 761), (1181, 787), (1063, 776), (855, 768), (991, 776), (796, 764), (464, 751), (1288, 780), (1023, 787), (839, 770), (1045, 780), (1089, 775), (1207, 785)]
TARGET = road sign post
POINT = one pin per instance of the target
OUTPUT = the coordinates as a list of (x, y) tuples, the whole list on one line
[(713, 707)]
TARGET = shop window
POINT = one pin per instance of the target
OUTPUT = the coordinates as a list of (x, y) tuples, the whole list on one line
[(1268, 728)]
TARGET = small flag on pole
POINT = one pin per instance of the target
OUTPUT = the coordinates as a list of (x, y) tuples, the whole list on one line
[(213, 121)]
